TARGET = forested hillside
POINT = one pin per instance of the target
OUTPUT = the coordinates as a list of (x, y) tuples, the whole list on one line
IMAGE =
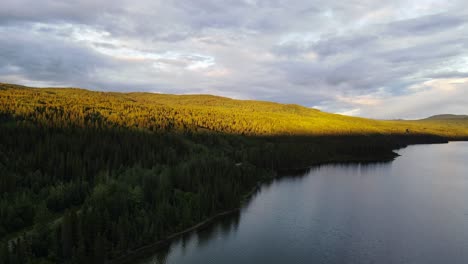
[(87, 177), (65, 108)]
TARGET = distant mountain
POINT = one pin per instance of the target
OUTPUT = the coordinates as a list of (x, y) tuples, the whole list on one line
[(447, 117)]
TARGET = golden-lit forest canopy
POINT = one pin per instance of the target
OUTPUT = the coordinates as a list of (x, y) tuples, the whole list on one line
[(70, 107), (88, 177)]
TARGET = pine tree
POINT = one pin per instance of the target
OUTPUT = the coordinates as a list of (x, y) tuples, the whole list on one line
[(4, 254), (100, 250), (67, 236)]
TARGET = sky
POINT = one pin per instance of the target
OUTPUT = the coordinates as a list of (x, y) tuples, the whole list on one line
[(379, 59)]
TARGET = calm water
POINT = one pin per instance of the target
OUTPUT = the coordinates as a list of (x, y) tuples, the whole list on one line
[(412, 210)]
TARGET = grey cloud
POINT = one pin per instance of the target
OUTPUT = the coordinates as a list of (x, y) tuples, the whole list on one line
[(448, 75), (51, 10), (427, 24), (363, 62), (47, 60), (343, 44)]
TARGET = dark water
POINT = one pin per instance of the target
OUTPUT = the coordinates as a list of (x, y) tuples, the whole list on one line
[(412, 210)]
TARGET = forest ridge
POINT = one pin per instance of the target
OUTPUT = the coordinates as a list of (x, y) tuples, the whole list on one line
[(202, 113)]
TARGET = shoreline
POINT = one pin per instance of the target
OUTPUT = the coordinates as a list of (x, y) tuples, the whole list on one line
[(139, 253)]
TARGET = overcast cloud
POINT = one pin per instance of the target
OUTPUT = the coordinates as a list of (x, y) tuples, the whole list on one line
[(381, 59)]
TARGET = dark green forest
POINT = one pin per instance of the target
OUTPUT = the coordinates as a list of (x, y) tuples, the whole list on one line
[(87, 177)]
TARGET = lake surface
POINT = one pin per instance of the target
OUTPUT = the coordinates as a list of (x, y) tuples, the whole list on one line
[(411, 210)]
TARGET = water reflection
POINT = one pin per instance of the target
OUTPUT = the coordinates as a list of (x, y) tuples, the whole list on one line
[(223, 227)]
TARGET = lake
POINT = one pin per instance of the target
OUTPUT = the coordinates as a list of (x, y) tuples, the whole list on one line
[(411, 210)]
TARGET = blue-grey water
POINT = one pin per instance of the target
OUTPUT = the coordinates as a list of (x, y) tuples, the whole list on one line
[(411, 210)]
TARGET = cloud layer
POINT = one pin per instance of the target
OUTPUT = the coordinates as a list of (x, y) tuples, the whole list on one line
[(398, 59)]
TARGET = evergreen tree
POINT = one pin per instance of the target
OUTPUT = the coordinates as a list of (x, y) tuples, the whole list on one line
[(67, 236)]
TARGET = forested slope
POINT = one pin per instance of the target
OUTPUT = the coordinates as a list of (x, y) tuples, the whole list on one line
[(195, 113), (86, 177)]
